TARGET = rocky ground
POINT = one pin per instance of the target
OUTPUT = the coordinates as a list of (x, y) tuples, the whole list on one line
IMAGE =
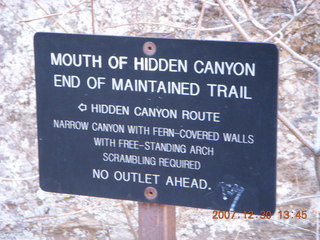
[(26, 212)]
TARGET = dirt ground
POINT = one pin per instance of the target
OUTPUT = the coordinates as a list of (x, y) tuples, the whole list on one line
[(26, 212)]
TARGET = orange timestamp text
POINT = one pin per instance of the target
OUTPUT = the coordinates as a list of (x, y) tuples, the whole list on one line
[(281, 214)]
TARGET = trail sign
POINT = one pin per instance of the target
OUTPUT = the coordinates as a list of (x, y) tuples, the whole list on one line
[(180, 122)]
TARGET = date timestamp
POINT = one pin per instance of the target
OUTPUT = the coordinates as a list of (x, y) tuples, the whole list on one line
[(281, 214)]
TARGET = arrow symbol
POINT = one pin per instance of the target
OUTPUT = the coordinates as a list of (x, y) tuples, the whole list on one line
[(82, 107)]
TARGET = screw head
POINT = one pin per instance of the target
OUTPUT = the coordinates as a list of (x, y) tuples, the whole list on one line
[(149, 48), (150, 193)]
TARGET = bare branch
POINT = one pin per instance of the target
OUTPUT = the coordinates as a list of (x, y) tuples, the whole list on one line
[(46, 12), (211, 3), (318, 225), (294, 8), (298, 198), (39, 18), (17, 16), (176, 26), (286, 60), (291, 225), (289, 22), (296, 132), (281, 43), (19, 179), (44, 217), (127, 213), (233, 20), (281, 117), (92, 16), (196, 34)]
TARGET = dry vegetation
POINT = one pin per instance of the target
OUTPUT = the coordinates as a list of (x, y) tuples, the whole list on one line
[(26, 212)]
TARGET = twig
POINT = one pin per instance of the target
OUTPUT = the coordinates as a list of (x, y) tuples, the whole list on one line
[(15, 14), (70, 10), (126, 212), (315, 149), (131, 9), (289, 22), (249, 16), (46, 12), (39, 18), (294, 8), (298, 198), (196, 34), (317, 145), (295, 131), (291, 225), (175, 26), (318, 225), (60, 215), (317, 166), (22, 149), (281, 117), (19, 179), (233, 20), (236, 238), (281, 43), (211, 3), (92, 16), (77, 212), (286, 60), (235, 8)]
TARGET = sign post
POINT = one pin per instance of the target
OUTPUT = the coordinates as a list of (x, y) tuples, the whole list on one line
[(159, 121), (156, 221)]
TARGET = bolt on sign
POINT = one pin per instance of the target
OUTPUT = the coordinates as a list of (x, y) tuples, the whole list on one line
[(179, 122)]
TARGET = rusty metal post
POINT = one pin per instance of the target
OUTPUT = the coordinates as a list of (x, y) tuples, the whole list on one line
[(157, 222)]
